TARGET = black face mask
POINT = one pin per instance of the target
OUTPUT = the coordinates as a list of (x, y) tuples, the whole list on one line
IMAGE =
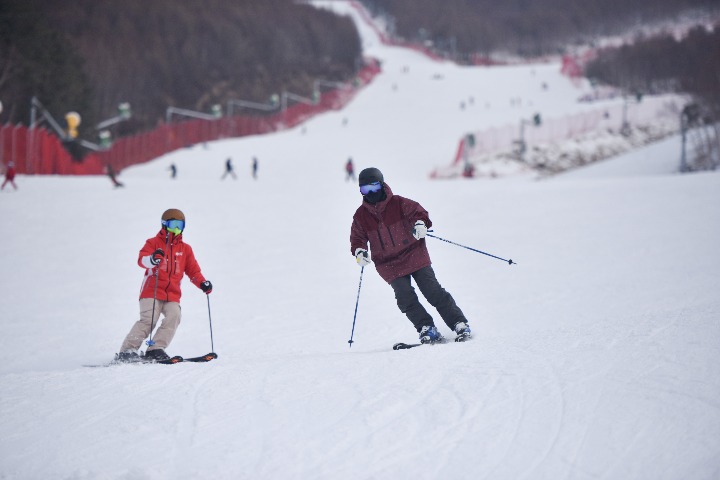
[(374, 197)]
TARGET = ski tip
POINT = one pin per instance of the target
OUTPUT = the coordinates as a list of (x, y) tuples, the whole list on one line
[(202, 358)]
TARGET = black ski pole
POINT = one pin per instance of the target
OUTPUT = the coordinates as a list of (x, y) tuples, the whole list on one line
[(510, 262), (150, 341), (212, 343), (356, 307)]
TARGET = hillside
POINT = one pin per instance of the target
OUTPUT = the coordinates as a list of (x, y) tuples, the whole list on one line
[(160, 53), (463, 28)]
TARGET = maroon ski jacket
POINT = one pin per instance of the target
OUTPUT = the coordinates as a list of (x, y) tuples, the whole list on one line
[(388, 226)]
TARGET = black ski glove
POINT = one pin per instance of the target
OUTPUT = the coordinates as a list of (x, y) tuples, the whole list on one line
[(206, 287), (157, 256)]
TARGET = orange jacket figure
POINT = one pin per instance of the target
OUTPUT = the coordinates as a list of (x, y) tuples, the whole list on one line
[(179, 260), (166, 259)]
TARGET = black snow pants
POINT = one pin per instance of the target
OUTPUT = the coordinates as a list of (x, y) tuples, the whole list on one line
[(407, 299)]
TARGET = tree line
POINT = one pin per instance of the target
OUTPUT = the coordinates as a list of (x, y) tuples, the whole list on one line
[(91, 55), (665, 64), (519, 27)]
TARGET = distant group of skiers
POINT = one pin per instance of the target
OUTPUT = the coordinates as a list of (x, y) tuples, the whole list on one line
[(387, 229), (229, 169)]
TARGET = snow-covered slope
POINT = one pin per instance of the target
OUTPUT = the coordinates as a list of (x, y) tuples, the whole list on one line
[(595, 357)]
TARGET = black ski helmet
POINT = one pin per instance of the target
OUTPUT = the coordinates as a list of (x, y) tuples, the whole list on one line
[(370, 175)]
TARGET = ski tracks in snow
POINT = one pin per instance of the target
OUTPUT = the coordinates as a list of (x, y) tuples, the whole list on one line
[(192, 410), (527, 407)]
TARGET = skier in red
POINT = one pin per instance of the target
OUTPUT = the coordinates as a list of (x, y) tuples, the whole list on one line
[(166, 258), (9, 176), (395, 227), (349, 170)]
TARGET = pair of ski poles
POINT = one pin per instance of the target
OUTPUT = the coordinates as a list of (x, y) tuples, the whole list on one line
[(150, 342), (352, 333)]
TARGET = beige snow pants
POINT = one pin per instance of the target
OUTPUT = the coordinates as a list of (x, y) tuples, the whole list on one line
[(164, 333)]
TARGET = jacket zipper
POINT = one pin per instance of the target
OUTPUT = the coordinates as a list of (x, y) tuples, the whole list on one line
[(169, 271), (391, 237)]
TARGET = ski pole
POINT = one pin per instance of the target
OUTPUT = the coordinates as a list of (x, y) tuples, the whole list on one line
[(510, 262), (212, 344), (352, 333), (150, 341)]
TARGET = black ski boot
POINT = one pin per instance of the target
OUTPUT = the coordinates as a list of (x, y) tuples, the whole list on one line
[(462, 329), (127, 357), (157, 355)]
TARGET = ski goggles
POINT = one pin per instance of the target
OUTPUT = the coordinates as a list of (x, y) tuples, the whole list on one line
[(173, 224), (370, 188)]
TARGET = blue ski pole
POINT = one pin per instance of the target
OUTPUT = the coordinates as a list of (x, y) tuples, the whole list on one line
[(510, 262), (356, 307)]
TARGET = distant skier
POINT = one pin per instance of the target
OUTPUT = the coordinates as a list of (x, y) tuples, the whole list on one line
[(166, 259), (229, 170), (396, 227), (112, 176), (9, 176), (173, 170), (254, 167), (349, 170)]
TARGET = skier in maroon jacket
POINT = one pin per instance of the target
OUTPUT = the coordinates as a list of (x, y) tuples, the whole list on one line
[(395, 227)]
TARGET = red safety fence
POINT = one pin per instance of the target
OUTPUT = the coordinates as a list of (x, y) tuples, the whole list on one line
[(39, 152)]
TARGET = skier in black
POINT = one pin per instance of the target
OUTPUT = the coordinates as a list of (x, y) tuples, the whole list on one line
[(113, 176), (228, 169)]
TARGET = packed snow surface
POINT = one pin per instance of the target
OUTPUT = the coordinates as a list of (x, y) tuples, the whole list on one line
[(596, 356)]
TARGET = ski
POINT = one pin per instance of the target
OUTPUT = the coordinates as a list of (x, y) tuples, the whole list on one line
[(169, 361), (405, 346), (112, 363), (203, 358)]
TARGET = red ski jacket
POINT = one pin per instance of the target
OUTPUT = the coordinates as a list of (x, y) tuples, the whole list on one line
[(388, 227), (179, 260)]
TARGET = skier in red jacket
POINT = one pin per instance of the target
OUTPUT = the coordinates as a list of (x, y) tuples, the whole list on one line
[(166, 259), (395, 227), (9, 176)]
